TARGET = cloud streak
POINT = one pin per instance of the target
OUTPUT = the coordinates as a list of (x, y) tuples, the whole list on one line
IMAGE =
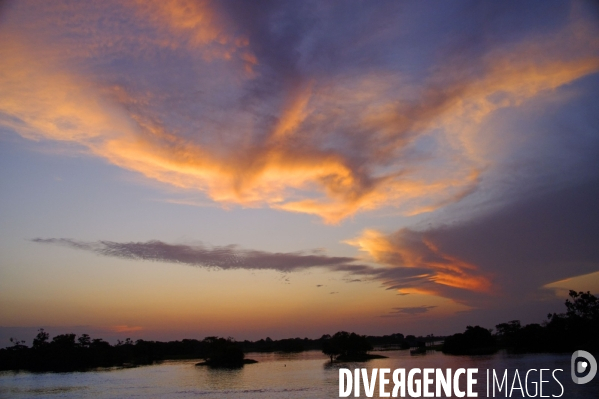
[(126, 328), (409, 310), (225, 257), (432, 277), (410, 250)]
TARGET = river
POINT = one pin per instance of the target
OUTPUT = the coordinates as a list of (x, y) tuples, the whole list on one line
[(301, 375)]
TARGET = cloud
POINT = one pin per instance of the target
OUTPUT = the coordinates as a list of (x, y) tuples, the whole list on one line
[(125, 328), (507, 261), (442, 275), (225, 258), (265, 105), (586, 282), (498, 261), (420, 262), (414, 310)]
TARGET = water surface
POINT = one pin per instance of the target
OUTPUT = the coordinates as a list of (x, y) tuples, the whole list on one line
[(302, 375)]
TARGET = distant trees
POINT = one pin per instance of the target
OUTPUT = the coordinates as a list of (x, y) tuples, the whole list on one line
[(584, 306), (221, 352), (67, 352), (281, 345), (41, 339), (346, 346), (474, 341), (392, 341), (17, 344), (578, 328), (505, 331), (84, 341)]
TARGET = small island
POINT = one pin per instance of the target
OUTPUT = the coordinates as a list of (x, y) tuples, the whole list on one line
[(224, 353), (348, 347)]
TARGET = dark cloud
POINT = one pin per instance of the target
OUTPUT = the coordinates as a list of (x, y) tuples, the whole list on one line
[(533, 242), (521, 248), (409, 310), (233, 257), (227, 257), (353, 280)]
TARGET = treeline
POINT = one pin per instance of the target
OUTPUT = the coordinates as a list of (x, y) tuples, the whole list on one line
[(392, 341), (577, 328), (67, 352)]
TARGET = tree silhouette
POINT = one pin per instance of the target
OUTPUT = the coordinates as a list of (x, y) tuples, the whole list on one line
[(84, 341), (223, 352), (584, 306), (41, 339), (346, 346), (474, 341), (578, 328)]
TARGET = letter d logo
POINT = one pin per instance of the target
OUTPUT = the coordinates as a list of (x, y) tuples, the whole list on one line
[(582, 367)]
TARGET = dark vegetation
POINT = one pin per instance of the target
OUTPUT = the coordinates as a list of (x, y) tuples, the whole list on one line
[(474, 341), (290, 345), (344, 346), (578, 328), (221, 352), (67, 353)]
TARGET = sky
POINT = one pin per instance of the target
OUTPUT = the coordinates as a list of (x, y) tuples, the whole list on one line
[(178, 169)]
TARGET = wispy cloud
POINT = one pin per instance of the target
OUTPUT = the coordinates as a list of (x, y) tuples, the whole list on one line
[(504, 259), (189, 202), (227, 257), (241, 115), (499, 259), (400, 274), (410, 250), (413, 310), (126, 328)]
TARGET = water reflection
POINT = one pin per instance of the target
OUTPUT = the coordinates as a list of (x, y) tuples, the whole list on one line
[(222, 379)]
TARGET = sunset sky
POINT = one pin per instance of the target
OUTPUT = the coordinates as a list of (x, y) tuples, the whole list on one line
[(179, 169)]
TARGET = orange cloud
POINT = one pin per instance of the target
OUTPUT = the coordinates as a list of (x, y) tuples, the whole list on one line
[(407, 249), (294, 114), (326, 146), (125, 328), (196, 24)]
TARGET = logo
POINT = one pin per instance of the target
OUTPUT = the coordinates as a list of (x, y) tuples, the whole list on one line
[(579, 366)]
